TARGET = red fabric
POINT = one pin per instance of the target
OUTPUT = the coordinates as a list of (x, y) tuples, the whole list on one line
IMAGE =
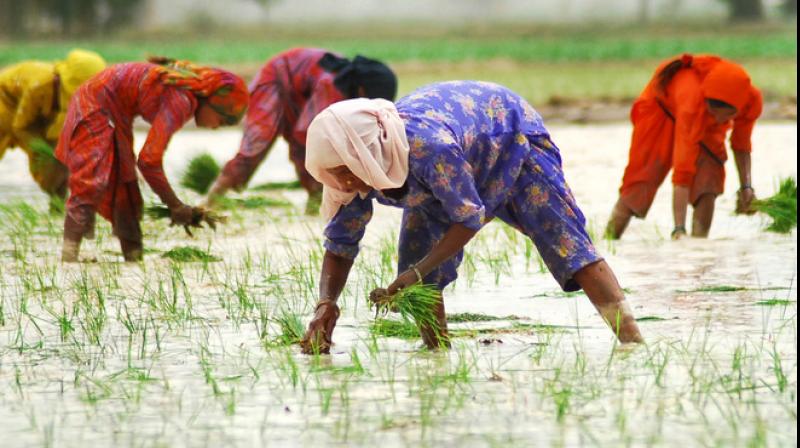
[(660, 143), (289, 91), (226, 92), (96, 143)]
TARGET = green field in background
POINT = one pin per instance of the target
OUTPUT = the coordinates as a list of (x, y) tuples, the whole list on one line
[(613, 80), (550, 47), (541, 64)]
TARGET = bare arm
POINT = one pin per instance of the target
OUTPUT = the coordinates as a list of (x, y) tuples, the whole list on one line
[(335, 270), (746, 193), (454, 240)]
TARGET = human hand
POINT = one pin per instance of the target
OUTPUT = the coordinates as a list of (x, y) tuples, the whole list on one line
[(678, 233), (318, 337), (381, 300), (744, 201), (188, 217)]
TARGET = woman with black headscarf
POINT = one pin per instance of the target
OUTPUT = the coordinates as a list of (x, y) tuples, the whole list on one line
[(289, 91)]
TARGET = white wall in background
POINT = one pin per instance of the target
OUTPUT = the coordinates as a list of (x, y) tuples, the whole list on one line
[(165, 13)]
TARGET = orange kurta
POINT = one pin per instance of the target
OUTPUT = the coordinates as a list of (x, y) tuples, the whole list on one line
[(672, 130)]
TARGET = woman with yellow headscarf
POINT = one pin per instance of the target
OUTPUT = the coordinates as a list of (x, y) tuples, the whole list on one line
[(34, 96)]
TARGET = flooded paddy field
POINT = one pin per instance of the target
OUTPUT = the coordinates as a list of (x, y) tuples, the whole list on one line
[(199, 353)]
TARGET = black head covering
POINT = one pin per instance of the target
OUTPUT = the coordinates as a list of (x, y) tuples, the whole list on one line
[(377, 79)]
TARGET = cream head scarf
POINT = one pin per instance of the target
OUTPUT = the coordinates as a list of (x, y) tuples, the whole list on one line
[(366, 135)]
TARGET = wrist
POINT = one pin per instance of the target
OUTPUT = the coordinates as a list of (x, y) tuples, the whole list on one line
[(746, 186), (415, 269), (678, 229)]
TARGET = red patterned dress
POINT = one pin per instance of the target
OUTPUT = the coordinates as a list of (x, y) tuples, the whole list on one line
[(289, 91), (96, 145)]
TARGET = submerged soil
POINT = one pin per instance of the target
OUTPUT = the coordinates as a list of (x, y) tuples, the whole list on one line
[(182, 358)]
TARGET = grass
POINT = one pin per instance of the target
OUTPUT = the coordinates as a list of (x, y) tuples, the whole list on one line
[(715, 288), (291, 328), (155, 211), (781, 207), (477, 317), (189, 254), (392, 328), (272, 186), (42, 148), (775, 302), (250, 202), (416, 303), (650, 319), (200, 173), (110, 353), (403, 329)]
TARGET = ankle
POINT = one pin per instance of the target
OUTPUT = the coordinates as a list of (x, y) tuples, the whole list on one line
[(70, 250)]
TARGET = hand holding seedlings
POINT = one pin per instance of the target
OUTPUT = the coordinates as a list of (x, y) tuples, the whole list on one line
[(744, 201), (188, 216)]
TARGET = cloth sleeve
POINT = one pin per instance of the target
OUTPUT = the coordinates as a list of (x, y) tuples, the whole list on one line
[(688, 112), (345, 231), (741, 136), (449, 177), (323, 95), (177, 108), (264, 119), (34, 102)]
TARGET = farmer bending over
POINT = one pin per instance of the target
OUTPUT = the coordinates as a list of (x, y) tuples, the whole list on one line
[(34, 96), (291, 89), (679, 123), (454, 156), (97, 142)]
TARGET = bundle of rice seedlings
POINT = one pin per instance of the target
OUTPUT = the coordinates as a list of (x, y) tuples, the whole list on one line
[(200, 174), (42, 148), (188, 254), (781, 207), (291, 327), (250, 202), (156, 211), (211, 218), (42, 152), (390, 328), (416, 303), (271, 186)]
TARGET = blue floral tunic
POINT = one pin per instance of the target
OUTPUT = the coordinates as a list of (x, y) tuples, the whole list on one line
[(478, 151)]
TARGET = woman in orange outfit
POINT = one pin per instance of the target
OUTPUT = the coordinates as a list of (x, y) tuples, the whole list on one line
[(96, 143), (679, 123)]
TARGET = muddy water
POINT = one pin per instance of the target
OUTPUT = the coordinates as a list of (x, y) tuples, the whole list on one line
[(206, 380)]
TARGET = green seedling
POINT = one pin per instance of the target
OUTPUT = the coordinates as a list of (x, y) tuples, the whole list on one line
[(416, 303), (189, 254), (251, 202), (775, 302), (272, 186), (200, 173), (477, 317), (780, 207)]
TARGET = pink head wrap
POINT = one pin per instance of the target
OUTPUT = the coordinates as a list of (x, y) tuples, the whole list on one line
[(366, 135)]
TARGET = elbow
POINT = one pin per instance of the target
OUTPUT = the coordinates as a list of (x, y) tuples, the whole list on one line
[(146, 166)]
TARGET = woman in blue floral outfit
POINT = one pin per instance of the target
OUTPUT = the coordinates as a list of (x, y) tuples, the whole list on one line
[(454, 156)]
